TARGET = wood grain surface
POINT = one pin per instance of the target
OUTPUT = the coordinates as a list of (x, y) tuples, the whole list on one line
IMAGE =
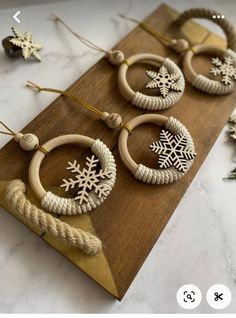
[(132, 218)]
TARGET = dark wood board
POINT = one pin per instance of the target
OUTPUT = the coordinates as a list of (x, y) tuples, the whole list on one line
[(132, 218)]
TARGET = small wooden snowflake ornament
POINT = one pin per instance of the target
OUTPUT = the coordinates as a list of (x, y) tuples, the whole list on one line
[(173, 151), (225, 68), (87, 179), (164, 81), (24, 42)]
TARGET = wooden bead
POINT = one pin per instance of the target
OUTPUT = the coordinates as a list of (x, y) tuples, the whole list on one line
[(180, 45), (28, 142), (116, 57), (113, 121)]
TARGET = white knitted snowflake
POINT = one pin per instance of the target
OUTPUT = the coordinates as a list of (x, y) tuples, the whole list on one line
[(173, 151), (24, 41), (224, 68), (163, 81), (86, 180)]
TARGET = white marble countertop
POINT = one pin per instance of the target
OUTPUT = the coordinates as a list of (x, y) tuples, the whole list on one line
[(200, 236)]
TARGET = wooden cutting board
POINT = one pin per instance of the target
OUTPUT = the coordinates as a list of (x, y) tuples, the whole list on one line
[(132, 218)]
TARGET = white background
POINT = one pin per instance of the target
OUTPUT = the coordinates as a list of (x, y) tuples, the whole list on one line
[(198, 244)]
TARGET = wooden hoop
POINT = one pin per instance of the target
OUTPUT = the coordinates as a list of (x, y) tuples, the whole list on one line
[(155, 102), (34, 168), (202, 82), (124, 134), (133, 123)]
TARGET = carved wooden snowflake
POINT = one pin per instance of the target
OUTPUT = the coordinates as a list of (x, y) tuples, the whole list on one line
[(24, 41), (173, 151), (163, 81), (86, 180), (224, 68), (232, 132)]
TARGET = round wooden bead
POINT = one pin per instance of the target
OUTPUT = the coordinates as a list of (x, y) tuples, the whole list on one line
[(180, 45), (28, 142), (113, 121), (116, 57)]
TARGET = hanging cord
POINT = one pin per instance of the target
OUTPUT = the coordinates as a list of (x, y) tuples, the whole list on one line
[(85, 41), (180, 45), (58, 91), (8, 130), (112, 120), (162, 38), (18, 136)]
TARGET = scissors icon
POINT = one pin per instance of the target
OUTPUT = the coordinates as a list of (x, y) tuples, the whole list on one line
[(218, 296)]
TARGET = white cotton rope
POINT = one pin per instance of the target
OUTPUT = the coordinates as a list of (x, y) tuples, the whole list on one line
[(17, 201), (169, 175), (157, 102), (66, 206), (211, 86)]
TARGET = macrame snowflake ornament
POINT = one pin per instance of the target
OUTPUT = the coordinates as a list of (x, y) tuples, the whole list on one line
[(24, 41), (224, 68), (173, 151), (164, 81), (86, 180)]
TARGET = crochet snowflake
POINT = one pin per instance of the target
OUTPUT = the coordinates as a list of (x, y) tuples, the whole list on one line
[(163, 81), (224, 68), (24, 41), (173, 151), (86, 180)]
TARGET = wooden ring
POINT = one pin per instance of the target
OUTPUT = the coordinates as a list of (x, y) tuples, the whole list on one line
[(170, 124), (144, 101), (200, 81), (101, 151)]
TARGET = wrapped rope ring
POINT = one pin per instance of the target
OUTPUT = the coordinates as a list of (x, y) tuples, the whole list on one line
[(67, 206), (144, 101), (202, 82), (140, 171)]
